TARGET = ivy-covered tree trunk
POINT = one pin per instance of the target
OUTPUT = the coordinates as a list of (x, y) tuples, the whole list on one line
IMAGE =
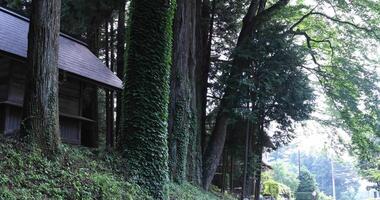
[(182, 79), (146, 94), (40, 111)]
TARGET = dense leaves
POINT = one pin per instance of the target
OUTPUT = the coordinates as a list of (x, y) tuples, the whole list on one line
[(274, 85), (307, 186), (146, 94)]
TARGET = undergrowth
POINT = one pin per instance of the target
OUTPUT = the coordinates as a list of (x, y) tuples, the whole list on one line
[(77, 173), (187, 191)]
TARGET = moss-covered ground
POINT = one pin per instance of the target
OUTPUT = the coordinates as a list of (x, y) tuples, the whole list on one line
[(77, 173)]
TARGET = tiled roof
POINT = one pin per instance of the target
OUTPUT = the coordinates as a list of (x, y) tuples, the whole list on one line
[(74, 56)]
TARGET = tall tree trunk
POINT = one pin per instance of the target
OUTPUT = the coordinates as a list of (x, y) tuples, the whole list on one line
[(258, 153), (231, 172), (251, 164), (245, 193), (182, 79), (93, 34), (259, 156), (109, 93), (195, 140), (120, 65), (206, 27), (251, 21), (224, 170), (146, 94), (214, 149), (40, 112)]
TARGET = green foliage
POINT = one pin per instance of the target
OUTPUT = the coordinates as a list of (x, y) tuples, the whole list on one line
[(77, 173), (274, 82), (187, 191), (275, 189), (318, 163), (323, 196), (371, 171), (146, 94), (343, 46), (285, 173), (307, 186), (78, 15)]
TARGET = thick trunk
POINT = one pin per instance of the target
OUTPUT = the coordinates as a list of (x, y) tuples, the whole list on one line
[(93, 34), (120, 65), (146, 94), (181, 88), (205, 32), (214, 149), (251, 21), (41, 113)]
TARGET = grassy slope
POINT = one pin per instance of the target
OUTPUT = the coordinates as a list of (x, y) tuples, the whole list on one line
[(78, 173)]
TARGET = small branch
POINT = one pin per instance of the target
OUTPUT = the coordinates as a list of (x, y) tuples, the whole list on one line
[(347, 23), (308, 42), (302, 19), (214, 97)]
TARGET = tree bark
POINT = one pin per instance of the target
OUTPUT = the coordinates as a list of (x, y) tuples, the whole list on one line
[(258, 153), (258, 172), (206, 23), (146, 94), (214, 149), (120, 65), (182, 79), (109, 93), (231, 172), (252, 20), (40, 111), (245, 193)]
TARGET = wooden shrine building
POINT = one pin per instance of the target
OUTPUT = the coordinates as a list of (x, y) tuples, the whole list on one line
[(80, 74)]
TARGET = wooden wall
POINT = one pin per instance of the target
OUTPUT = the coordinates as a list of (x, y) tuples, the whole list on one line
[(77, 101), (69, 96), (13, 119), (4, 74), (2, 119)]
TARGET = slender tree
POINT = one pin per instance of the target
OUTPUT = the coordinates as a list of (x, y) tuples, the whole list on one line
[(146, 93), (40, 113), (120, 63)]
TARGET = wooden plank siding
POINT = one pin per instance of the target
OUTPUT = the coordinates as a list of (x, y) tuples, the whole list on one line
[(76, 120), (2, 120), (4, 78)]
